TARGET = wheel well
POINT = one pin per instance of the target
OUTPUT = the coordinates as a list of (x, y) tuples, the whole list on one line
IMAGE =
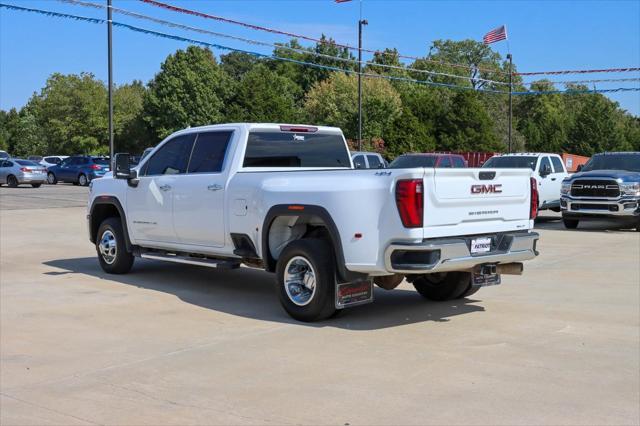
[(99, 213), (284, 229)]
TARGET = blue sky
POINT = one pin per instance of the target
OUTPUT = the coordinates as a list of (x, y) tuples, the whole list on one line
[(544, 35)]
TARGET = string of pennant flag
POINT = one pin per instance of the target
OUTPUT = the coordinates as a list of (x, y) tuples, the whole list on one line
[(275, 46), (300, 62)]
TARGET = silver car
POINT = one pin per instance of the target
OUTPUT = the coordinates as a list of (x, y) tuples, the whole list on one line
[(14, 172)]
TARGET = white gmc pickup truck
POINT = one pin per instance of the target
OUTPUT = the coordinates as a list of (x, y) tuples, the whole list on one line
[(287, 198)]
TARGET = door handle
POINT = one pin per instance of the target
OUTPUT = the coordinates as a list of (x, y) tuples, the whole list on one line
[(165, 187), (214, 187), (553, 178)]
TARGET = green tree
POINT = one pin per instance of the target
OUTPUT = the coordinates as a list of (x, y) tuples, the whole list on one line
[(597, 127), (334, 102), (28, 137), (190, 90), (466, 125), (305, 76), (542, 119), (131, 132), (263, 95), (237, 64), (71, 110), (8, 123)]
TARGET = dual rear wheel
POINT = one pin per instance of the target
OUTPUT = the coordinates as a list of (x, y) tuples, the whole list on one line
[(445, 286)]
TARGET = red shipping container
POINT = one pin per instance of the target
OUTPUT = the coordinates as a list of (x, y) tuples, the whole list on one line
[(572, 161)]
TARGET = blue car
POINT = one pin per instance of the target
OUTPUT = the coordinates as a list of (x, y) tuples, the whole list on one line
[(79, 170)]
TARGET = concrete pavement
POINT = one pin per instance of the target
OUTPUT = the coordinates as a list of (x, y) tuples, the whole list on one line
[(173, 344)]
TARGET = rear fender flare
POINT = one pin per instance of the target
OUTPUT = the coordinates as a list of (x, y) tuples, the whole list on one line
[(279, 210)]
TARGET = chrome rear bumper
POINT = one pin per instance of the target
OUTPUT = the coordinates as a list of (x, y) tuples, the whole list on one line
[(453, 254)]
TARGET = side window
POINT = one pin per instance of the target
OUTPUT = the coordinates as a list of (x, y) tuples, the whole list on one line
[(458, 163), (358, 162), (374, 162), (445, 162), (209, 151), (73, 161), (66, 161), (172, 158), (545, 162), (557, 165), (6, 164), (82, 161)]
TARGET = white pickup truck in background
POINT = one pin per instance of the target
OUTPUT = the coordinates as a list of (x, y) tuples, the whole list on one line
[(286, 198)]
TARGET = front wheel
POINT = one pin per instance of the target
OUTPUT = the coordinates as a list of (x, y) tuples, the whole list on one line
[(51, 179), (305, 276), (570, 223), (444, 286), (112, 250)]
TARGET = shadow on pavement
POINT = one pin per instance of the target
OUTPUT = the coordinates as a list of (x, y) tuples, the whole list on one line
[(250, 293)]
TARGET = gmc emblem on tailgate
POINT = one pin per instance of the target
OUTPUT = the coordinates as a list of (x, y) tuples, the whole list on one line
[(486, 189)]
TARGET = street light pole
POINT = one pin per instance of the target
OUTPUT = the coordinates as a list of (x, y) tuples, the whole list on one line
[(110, 78), (510, 95), (361, 22)]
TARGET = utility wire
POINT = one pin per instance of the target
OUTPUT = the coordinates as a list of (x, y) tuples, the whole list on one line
[(217, 46), (178, 9), (278, 46)]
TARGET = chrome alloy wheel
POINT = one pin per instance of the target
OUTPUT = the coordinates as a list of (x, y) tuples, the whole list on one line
[(107, 246), (300, 280)]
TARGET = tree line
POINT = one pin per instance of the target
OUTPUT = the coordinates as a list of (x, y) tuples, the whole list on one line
[(193, 87)]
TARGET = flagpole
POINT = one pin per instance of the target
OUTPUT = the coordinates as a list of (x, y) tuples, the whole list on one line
[(510, 57)]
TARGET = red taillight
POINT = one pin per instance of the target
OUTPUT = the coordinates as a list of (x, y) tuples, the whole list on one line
[(95, 167), (26, 170), (533, 209), (409, 199)]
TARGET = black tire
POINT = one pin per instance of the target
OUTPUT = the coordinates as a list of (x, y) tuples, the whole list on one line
[(51, 178), (471, 290), (83, 180), (122, 260), (320, 304), (36, 185), (446, 286), (12, 181), (570, 223)]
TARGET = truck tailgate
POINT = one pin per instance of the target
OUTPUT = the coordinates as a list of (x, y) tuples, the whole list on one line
[(471, 201)]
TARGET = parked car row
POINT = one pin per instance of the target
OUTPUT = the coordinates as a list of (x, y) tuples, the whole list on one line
[(14, 172)]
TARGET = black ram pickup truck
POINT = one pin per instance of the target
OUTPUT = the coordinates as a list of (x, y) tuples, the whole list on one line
[(607, 187)]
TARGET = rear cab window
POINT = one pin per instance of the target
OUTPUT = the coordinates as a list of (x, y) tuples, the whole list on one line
[(458, 163), (358, 162), (557, 165), (543, 163), (209, 152), (273, 148), (511, 162), (445, 162), (374, 162)]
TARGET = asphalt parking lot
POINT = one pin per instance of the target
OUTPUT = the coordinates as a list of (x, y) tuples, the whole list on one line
[(172, 344)]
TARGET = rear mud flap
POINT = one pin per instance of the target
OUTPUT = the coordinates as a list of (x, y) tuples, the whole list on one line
[(354, 293)]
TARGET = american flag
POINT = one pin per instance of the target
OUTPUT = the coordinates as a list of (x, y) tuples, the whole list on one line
[(495, 35)]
